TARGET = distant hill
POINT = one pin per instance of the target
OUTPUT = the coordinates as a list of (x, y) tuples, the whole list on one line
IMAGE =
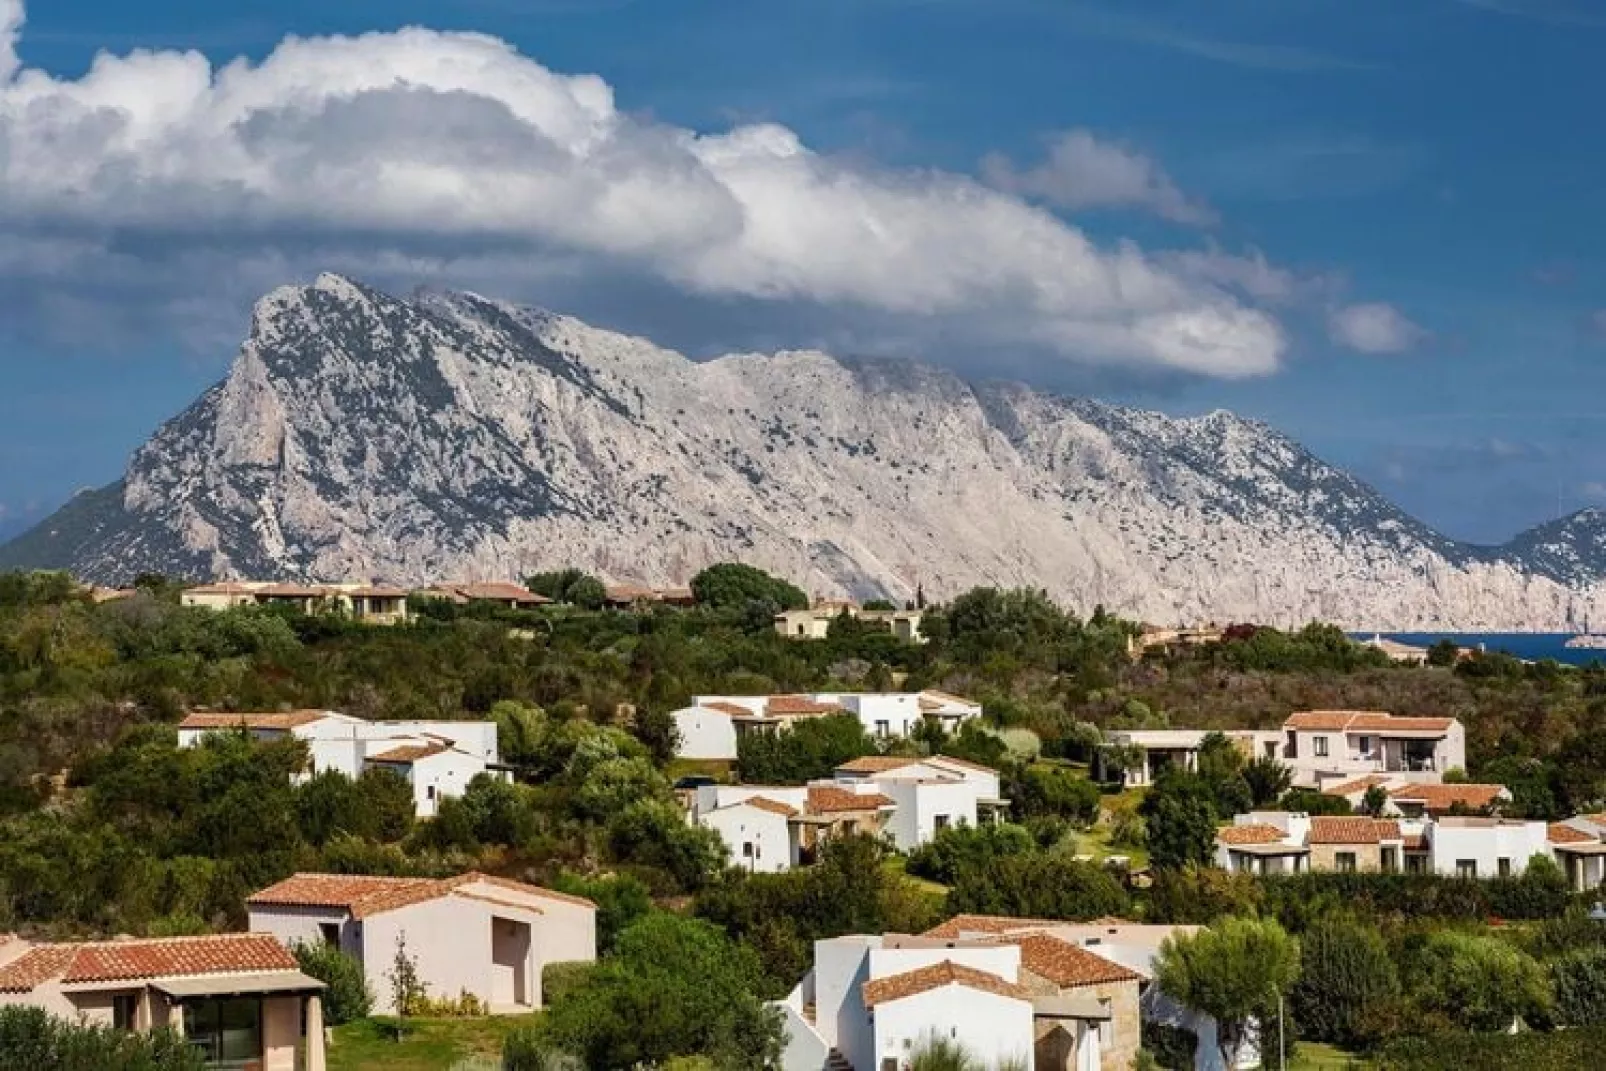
[(449, 435)]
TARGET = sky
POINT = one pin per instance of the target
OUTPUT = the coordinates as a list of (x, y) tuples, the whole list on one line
[(1372, 224)]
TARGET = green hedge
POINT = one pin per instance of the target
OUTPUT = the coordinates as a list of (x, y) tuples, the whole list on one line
[(1540, 894), (1565, 1050)]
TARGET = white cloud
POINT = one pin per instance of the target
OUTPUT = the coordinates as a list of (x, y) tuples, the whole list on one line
[(1373, 327), (1083, 172), (11, 15), (427, 147)]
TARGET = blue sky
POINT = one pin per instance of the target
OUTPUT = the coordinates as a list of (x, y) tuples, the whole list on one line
[(1371, 223)]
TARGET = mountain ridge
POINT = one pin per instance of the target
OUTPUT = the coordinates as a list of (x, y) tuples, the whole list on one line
[(450, 434)]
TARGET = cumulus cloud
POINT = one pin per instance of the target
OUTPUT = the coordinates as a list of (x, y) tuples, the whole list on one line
[(1374, 327), (423, 147), (1082, 171)]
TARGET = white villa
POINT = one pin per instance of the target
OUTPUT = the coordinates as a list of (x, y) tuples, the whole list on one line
[(710, 728), (1471, 846), (438, 758), (476, 934), (1319, 746), (771, 828), (815, 623)]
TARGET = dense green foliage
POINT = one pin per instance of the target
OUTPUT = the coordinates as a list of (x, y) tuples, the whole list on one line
[(733, 586), (570, 586), (347, 995), (673, 987), (32, 1040), (1568, 1050), (812, 749), (968, 849), (1477, 983), (1345, 972), (1045, 885)]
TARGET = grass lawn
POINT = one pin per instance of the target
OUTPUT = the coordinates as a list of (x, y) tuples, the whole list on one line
[(1316, 1057), (897, 864), (430, 1045), (1096, 841)]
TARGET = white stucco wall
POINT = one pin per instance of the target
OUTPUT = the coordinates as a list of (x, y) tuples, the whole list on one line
[(713, 797), (705, 734), (992, 1028), (920, 803), (302, 925), (1486, 846), (759, 841), (448, 939), (841, 966)]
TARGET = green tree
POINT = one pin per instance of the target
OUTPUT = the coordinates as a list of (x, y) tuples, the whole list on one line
[(960, 848), (734, 586), (1049, 885), (571, 586), (674, 987), (1234, 971), (1267, 779), (1345, 972), (621, 899), (33, 1040), (1443, 654), (1311, 801), (1038, 789), (346, 996), (811, 749), (1180, 815), (1374, 800), (1478, 983)]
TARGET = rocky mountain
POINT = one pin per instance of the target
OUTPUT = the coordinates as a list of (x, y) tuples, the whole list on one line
[(453, 436)]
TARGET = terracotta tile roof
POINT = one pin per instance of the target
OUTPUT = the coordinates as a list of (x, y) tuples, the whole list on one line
[(925, 979), (825, 799), (1360, 784), (1416, 842), (960, 925), (1387, 829), (1383, 723), (293, 591), (874, 764), (1332, 720), (1065, 964), (1561, 833), (1333, 829), (379, 591), (1443, 797), (409, 753), (289, 719), (365, 895), (360, 894), (772, 806), (500, 591), (964, 764), (1253, 834), (798, 704), (110, 961), (226, 588), (948, 697), (729, 708)]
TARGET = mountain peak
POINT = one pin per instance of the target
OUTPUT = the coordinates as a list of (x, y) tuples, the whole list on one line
[(451, 434)]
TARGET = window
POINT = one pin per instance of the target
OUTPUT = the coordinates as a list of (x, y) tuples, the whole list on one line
[(1320, 744), (1344, 862), (123, 1005), (1505, 867), (1416, 864), (226, 1031), (939, 823), (747, 849), (1365, 744), (1389, 860), (1466, 868), (429, 793), (330, 932), (801, 630), (883, 728)]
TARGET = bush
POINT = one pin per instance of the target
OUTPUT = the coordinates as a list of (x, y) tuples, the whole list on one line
[(1049, 885), (1478, 983), (1345, 970), (347, 996), (558, 980), (33, 1040), (1172, 1047), (463, 1006), (1566, 1050), (961, 848), (1579, 981), (1416, 896)]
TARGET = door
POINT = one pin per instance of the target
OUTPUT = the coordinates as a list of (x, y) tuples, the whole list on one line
[(510, 962)]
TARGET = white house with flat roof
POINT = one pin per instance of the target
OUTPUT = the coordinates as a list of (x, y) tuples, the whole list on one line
[(437, 758), (1320, 747), (712, 726)]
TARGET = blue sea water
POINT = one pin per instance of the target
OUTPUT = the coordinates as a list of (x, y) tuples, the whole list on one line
[(1530, 645)]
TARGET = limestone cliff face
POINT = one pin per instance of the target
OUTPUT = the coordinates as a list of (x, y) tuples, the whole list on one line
[(361, 435)]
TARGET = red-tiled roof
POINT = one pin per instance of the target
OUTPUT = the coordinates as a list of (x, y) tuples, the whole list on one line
[(948, 697), (366, 895), (825, 799), (1387, 829), (925, 979), (1561, 833), (111, 961), (733, 709), (1416, 842), (1330, 720), (1334, 829), (409, 753), (798, 704), (874, 764), (1443, 797), (960, 925), (1252, 834), (1360, 784), (772, 806), (501, 592), (1383, 723), (1065, 964), (289, 719)]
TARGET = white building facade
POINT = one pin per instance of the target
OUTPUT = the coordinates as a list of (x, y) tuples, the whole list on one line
[(710, 729)]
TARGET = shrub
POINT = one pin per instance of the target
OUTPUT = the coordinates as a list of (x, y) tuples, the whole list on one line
[(463, 1006), (33, 1040), (1172, 1047), (1345, 970), (1565, 1050), (347, 996), (960, 848), (1048, 885), (1478, 983), (558, 980), (1579, 981)]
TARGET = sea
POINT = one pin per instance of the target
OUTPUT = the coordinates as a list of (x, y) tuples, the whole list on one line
[(1533, 646)]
